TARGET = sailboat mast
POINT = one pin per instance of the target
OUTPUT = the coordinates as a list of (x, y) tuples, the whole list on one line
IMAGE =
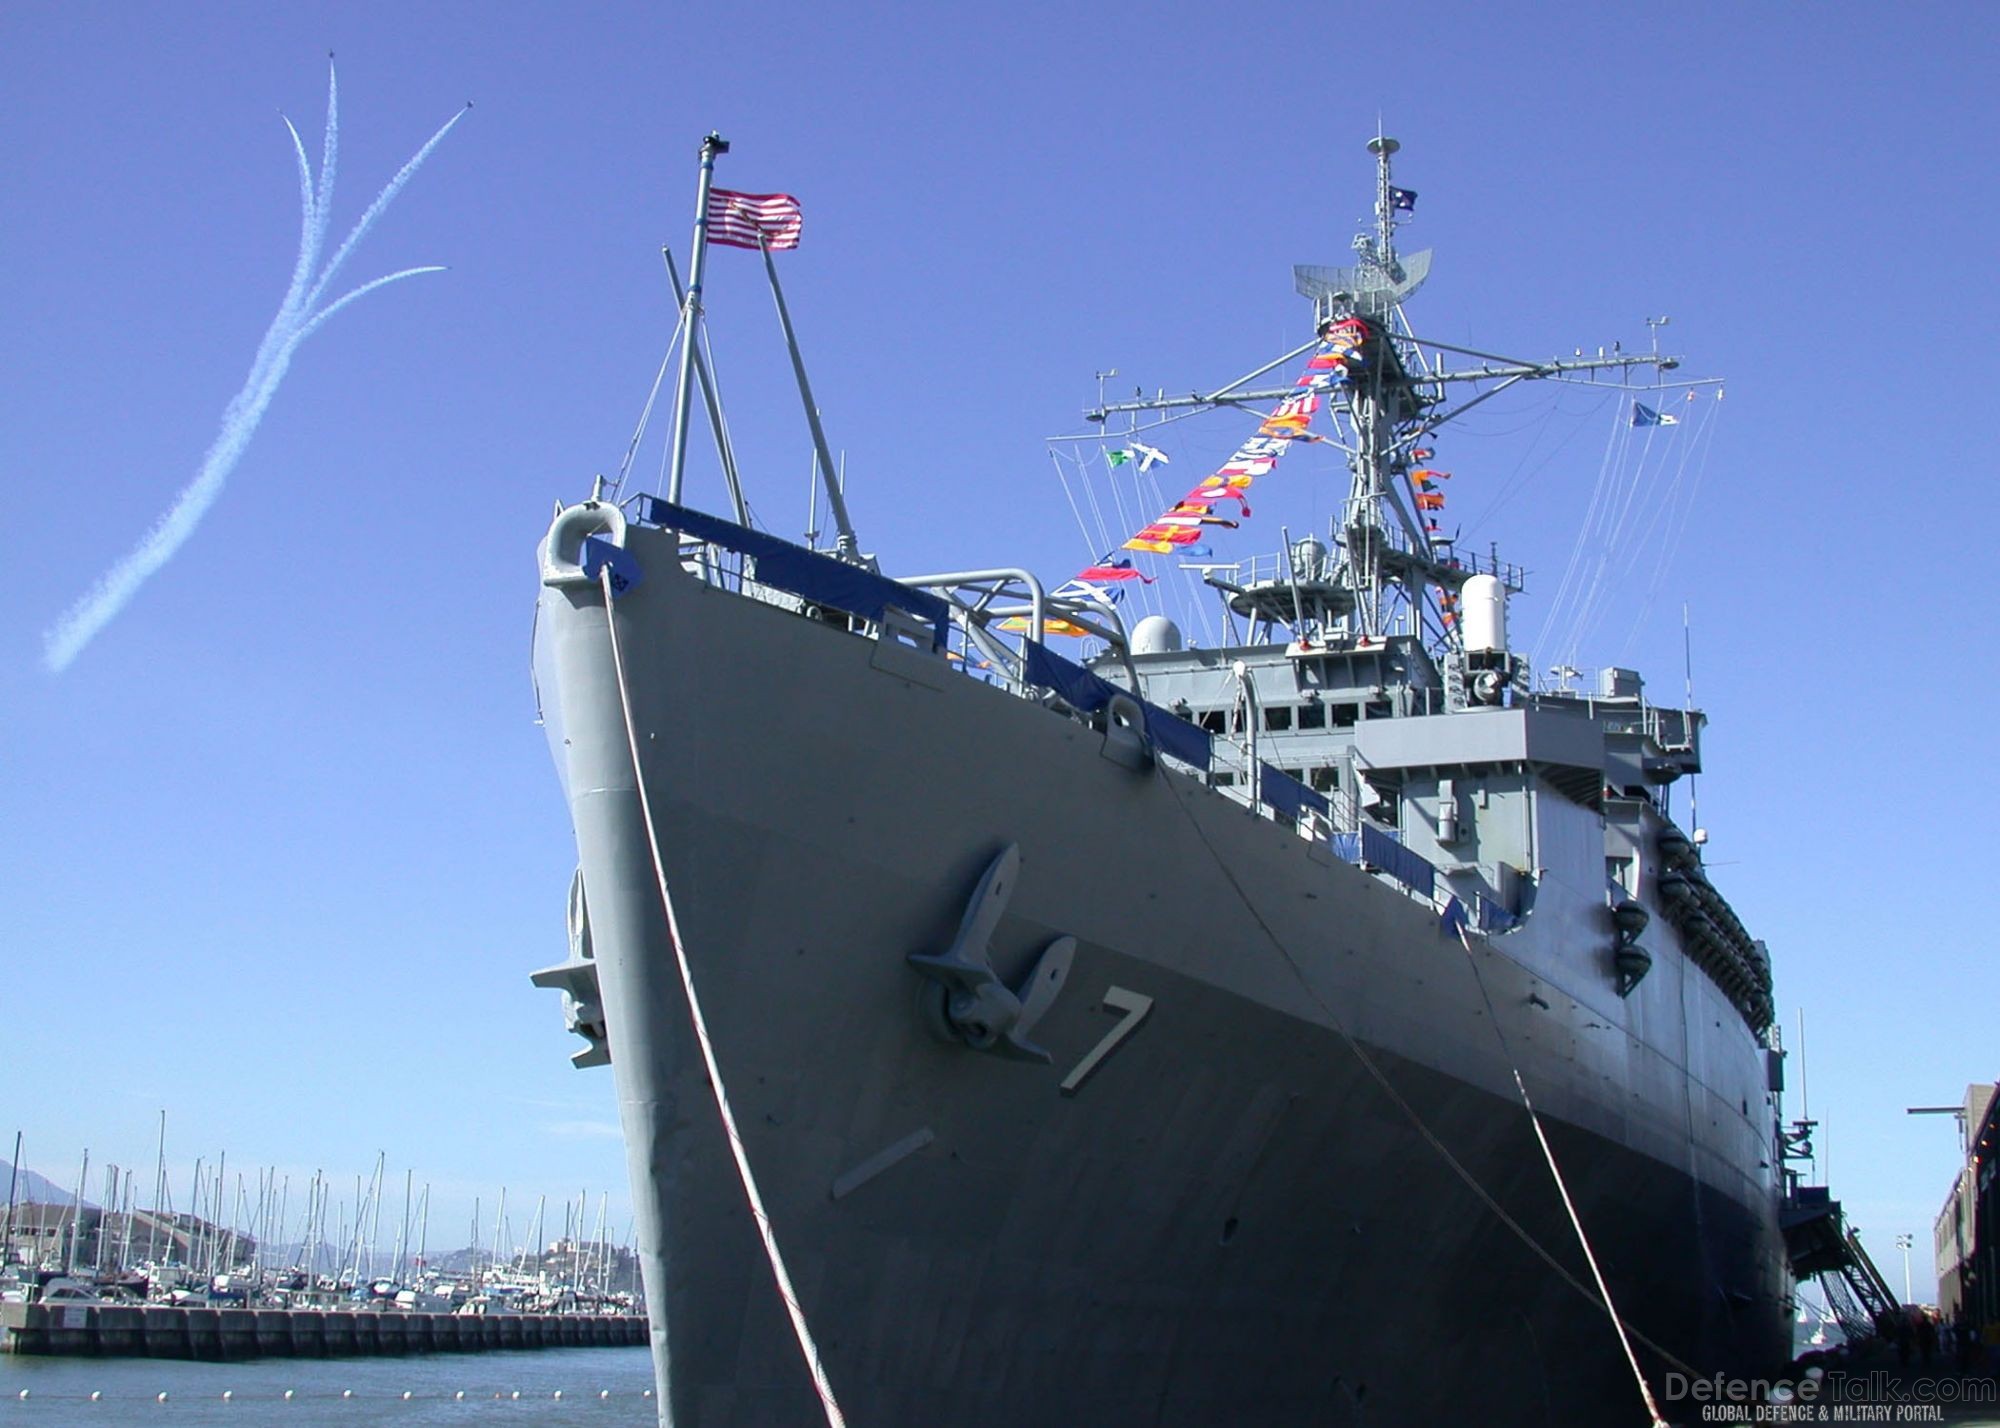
[(375, 1210), (125, 1245), (13, 1184), (76, 1214), (216, 1210), (159, 1193), (403, 1234)]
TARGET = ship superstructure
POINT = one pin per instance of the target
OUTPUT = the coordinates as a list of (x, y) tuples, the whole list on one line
[(1311, 1028)]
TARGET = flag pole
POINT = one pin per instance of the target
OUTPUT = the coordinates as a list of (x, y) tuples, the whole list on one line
[(712, 146), (836, 502)]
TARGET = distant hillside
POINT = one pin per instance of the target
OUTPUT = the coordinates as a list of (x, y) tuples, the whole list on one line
[(32, 1189)]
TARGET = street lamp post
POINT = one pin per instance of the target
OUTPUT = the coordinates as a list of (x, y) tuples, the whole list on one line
[(1903, 1243)]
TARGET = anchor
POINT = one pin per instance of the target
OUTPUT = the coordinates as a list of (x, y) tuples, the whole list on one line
[(966, 1001)]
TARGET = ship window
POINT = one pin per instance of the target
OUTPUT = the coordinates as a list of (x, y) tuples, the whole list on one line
[(1224, 779), (1325, 779), (1312, 716), (1379, 709), (1343, 716), (1278, 718), (1212, 721)]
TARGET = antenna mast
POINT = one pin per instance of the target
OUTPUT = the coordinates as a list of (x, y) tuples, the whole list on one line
[(1383, 147), (1386, 402)]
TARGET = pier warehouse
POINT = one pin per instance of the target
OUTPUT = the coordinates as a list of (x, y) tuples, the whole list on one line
[(1968, 1228)]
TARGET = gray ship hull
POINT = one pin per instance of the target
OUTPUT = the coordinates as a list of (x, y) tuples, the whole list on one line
[(1302, 1189)]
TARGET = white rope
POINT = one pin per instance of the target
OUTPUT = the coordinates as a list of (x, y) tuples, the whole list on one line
[(807, 1346), (1381, 1079), (1562, 1188)]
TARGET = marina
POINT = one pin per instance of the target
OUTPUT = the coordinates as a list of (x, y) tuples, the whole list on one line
[(83, 1280)]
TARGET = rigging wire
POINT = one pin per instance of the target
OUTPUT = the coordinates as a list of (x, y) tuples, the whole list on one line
[(1125, 523), (725, 445), (1622, 547), (1518, 478), (1056, 460), (646, 412), (1117, 498), (1556, 606), (1663, 509), (1609, 548), (1096, 509), (1136, 430), (1675, 517)]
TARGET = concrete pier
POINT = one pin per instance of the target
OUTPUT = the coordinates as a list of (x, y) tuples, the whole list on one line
[(162, 1332)]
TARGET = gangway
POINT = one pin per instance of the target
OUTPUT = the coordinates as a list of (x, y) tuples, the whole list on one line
[(1823, 1246)]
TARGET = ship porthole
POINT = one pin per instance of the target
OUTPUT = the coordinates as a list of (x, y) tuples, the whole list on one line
[(1229, 1229)]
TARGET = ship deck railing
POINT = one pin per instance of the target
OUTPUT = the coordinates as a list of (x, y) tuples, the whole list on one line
[(991, 625), (1282, 567), (1670, 729)]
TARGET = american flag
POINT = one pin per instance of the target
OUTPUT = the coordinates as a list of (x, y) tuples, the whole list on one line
[(740, 219)]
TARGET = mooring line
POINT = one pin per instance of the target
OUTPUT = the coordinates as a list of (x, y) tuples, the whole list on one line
[(807, 1346), (1380, 1077), (1562, 1188)]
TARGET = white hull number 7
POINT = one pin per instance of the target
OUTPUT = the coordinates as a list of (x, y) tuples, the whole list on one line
[(1135, 1006)]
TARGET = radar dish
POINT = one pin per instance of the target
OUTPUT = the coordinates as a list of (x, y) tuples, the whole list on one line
[(1366, 290)]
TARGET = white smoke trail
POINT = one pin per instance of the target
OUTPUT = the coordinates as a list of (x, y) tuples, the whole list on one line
[(300, 314)]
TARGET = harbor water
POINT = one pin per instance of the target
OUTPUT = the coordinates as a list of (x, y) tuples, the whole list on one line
[(597, 1386)]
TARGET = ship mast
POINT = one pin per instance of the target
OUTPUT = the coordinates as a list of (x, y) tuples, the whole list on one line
[(1389, 559), (1377, 405)]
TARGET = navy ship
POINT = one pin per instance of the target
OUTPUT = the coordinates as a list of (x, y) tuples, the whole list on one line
[(1019, 1018)]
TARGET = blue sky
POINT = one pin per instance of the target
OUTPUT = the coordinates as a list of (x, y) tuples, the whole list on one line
[(281, 847)]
